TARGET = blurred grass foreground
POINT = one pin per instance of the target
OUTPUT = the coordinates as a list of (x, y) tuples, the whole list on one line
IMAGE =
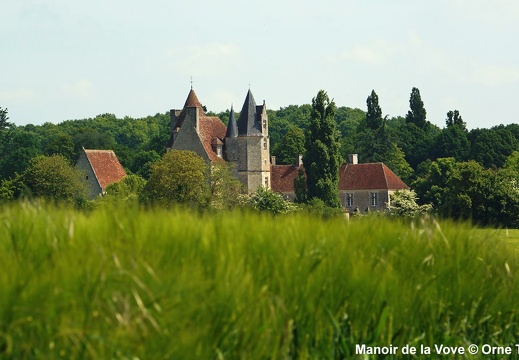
[(143, 284)]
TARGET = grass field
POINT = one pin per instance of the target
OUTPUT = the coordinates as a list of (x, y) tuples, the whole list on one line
[(133, 284)]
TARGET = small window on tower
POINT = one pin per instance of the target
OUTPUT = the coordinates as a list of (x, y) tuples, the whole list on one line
[(265, 144)]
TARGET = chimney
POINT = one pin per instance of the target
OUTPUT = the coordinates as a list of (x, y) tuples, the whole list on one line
[(299, 160), (353, 159), (273, 160)]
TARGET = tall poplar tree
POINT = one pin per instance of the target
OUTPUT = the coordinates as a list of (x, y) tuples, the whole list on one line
[(374, 118), (322, 157), (417, 114), (3, 119)]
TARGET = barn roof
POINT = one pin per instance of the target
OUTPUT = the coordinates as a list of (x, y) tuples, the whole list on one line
[(105, 166)]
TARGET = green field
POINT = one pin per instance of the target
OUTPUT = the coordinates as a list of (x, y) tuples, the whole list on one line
[(134, 284)]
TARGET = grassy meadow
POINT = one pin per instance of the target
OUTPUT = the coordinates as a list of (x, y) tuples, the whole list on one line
[(134, 284)]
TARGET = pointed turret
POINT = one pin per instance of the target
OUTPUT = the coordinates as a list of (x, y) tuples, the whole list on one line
[(192, 101), (248, 123), (232, 126)]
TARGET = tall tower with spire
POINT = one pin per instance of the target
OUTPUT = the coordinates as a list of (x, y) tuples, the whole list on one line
[(247, 144), (244, 142)]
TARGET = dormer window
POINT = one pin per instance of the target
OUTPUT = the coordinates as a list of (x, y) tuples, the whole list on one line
[(217, 146)]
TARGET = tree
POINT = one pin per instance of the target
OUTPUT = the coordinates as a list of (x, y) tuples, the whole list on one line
[(292, 144), (225, 188), (60, 144), (4, 124), (491, 147), (452, 141), (179, 178), (374, 118), (512, 162), (454, 119), (128, 189), (19, 147), (143, 161), (417, 114), (52, 177), (403, 203), (300, 189), (268, 200), (322, 157)]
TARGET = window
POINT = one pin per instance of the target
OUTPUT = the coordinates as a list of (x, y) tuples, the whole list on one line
[(266, 181), (219, 150), (349, 200), (373, 199), (265, 144)]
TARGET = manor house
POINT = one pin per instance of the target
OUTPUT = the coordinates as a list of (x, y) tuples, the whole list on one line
[(245, 142)]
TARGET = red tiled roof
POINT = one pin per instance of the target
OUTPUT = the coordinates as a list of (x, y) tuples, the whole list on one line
[(191, 101), (282, 177), (351, 177), (211, 127), (106, 167), (368, 176)]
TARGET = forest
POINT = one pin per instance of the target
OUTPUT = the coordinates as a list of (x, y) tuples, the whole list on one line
[(464, 174)]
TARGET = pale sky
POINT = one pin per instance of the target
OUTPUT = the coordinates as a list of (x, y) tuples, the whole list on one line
[(67, 59)]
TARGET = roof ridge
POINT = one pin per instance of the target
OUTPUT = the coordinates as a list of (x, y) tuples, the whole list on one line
[(384, 172)]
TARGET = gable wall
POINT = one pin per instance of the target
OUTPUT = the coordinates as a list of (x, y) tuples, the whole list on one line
[(188, 138), (89, 177)]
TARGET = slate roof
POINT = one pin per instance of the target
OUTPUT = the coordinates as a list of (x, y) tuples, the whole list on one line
[(232, 126), (248, 124), (106, 167), (369, 176)]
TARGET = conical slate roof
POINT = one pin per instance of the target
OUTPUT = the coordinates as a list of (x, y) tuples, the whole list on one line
[(247, 123), (232, 126)]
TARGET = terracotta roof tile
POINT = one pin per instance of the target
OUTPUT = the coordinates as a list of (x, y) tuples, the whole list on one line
[(351, 177), (211, 128), (368, 176), (191, 101), (106, 167), (282, 177)]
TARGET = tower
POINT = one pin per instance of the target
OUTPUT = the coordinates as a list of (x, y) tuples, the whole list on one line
[(252, 145)]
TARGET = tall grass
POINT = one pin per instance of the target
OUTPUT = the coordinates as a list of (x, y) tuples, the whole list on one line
[(134, 284)]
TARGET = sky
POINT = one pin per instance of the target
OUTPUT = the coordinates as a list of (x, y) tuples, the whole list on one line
[(69, 59)]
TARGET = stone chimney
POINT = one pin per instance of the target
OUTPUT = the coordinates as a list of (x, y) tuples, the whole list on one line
[(273, 160), (353, 159), (299, 160)]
